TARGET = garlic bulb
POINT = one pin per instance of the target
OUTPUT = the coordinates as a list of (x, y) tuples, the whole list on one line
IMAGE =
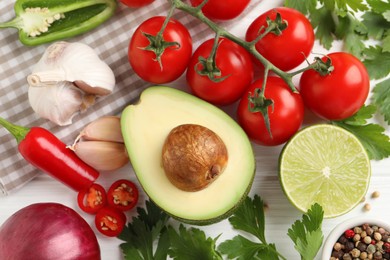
[(67, 80)]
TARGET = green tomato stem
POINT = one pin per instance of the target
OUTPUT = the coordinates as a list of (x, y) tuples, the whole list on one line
[(249, 46)]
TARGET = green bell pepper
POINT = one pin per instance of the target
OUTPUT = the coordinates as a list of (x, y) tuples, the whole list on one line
[(43, 21)]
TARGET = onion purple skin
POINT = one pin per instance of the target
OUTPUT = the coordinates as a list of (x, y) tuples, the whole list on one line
[(47, 231)]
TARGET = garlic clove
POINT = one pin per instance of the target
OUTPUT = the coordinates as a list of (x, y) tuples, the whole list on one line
[(106, 128), (101, 155), (58, 104), (98, 91)]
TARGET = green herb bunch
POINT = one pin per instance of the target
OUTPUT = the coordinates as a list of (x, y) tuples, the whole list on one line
[(363, 27), (151, 235)]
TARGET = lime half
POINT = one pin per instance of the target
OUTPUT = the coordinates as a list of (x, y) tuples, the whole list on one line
[(325, 164)]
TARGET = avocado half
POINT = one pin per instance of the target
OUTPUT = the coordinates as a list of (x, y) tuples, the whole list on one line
[(145, 126)]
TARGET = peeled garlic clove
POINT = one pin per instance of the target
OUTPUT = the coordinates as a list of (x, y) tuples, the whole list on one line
[(58, 104), (74, 62), (101, 155), (106, 128)]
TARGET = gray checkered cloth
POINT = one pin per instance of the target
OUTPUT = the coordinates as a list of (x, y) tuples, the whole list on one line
[(110, 41)]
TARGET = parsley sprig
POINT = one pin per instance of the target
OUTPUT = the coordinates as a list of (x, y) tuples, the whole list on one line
[(372, 136), (364, 28), (150, 235)]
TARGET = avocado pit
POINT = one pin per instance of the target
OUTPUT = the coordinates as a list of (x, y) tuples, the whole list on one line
[(193, 157)]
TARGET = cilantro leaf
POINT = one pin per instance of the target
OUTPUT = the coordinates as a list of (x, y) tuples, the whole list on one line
[(307, 233), (322, 20), (241, 248), (145, 229), (378, 6), (377, 24), (249, 217), (304, 7), (346, 30), (381, 98), (192, 244), (377, 62), (372, 136)]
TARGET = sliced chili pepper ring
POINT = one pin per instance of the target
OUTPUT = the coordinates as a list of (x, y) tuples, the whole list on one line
[(110, 221), (123, 195), (92, 199)]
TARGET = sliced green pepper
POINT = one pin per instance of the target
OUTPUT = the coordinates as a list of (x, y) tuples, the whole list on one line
[(43, 21)]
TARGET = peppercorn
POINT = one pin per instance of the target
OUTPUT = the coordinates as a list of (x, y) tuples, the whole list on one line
[(369, 231), (347, 256), (338, 254), (357, 230), (356, 237), (355, 252), (371, 249), (367, 240), (342, 240), (363, 255), (338, 246), (386, 247), (378, 255), (361, 246), (349, 233), (349, 246)]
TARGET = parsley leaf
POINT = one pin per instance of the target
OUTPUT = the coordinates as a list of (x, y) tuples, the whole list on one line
[(372, 136), (381, 97), (377, 62), (307, 233), (322, 20), (249, 217), (338, 20), (192, 244), (140, 235)]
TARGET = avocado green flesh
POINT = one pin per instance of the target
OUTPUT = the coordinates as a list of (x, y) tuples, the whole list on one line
[(146, 125)]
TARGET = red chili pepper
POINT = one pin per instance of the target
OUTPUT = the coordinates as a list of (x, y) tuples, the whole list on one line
[(123, 195), (92, 199), (110, 221), (46, 152)]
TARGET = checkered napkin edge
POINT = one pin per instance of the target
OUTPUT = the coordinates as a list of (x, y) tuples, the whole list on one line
[(110, 41)]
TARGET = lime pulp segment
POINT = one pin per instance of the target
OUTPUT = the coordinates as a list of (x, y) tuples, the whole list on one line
[(325, 164)]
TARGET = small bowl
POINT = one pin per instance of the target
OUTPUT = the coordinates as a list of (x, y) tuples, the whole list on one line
[(335, 234)]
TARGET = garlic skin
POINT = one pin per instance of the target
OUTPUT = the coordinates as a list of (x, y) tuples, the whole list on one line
[(67, 80)]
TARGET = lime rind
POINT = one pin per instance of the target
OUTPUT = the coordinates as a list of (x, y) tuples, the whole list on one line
[(325, 164)]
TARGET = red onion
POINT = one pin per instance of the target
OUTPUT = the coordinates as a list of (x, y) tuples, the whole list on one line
[(47, 231)]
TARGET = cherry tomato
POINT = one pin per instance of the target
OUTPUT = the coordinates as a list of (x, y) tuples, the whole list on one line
[(110, 221), (123, 195), (288, 50), (235, 64), (136, 3), (285, 117), (222, 9), (339, 94), (92, 199), (174, 59)]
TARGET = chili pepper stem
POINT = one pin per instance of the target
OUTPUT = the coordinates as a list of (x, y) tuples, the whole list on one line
[(19, 132)]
